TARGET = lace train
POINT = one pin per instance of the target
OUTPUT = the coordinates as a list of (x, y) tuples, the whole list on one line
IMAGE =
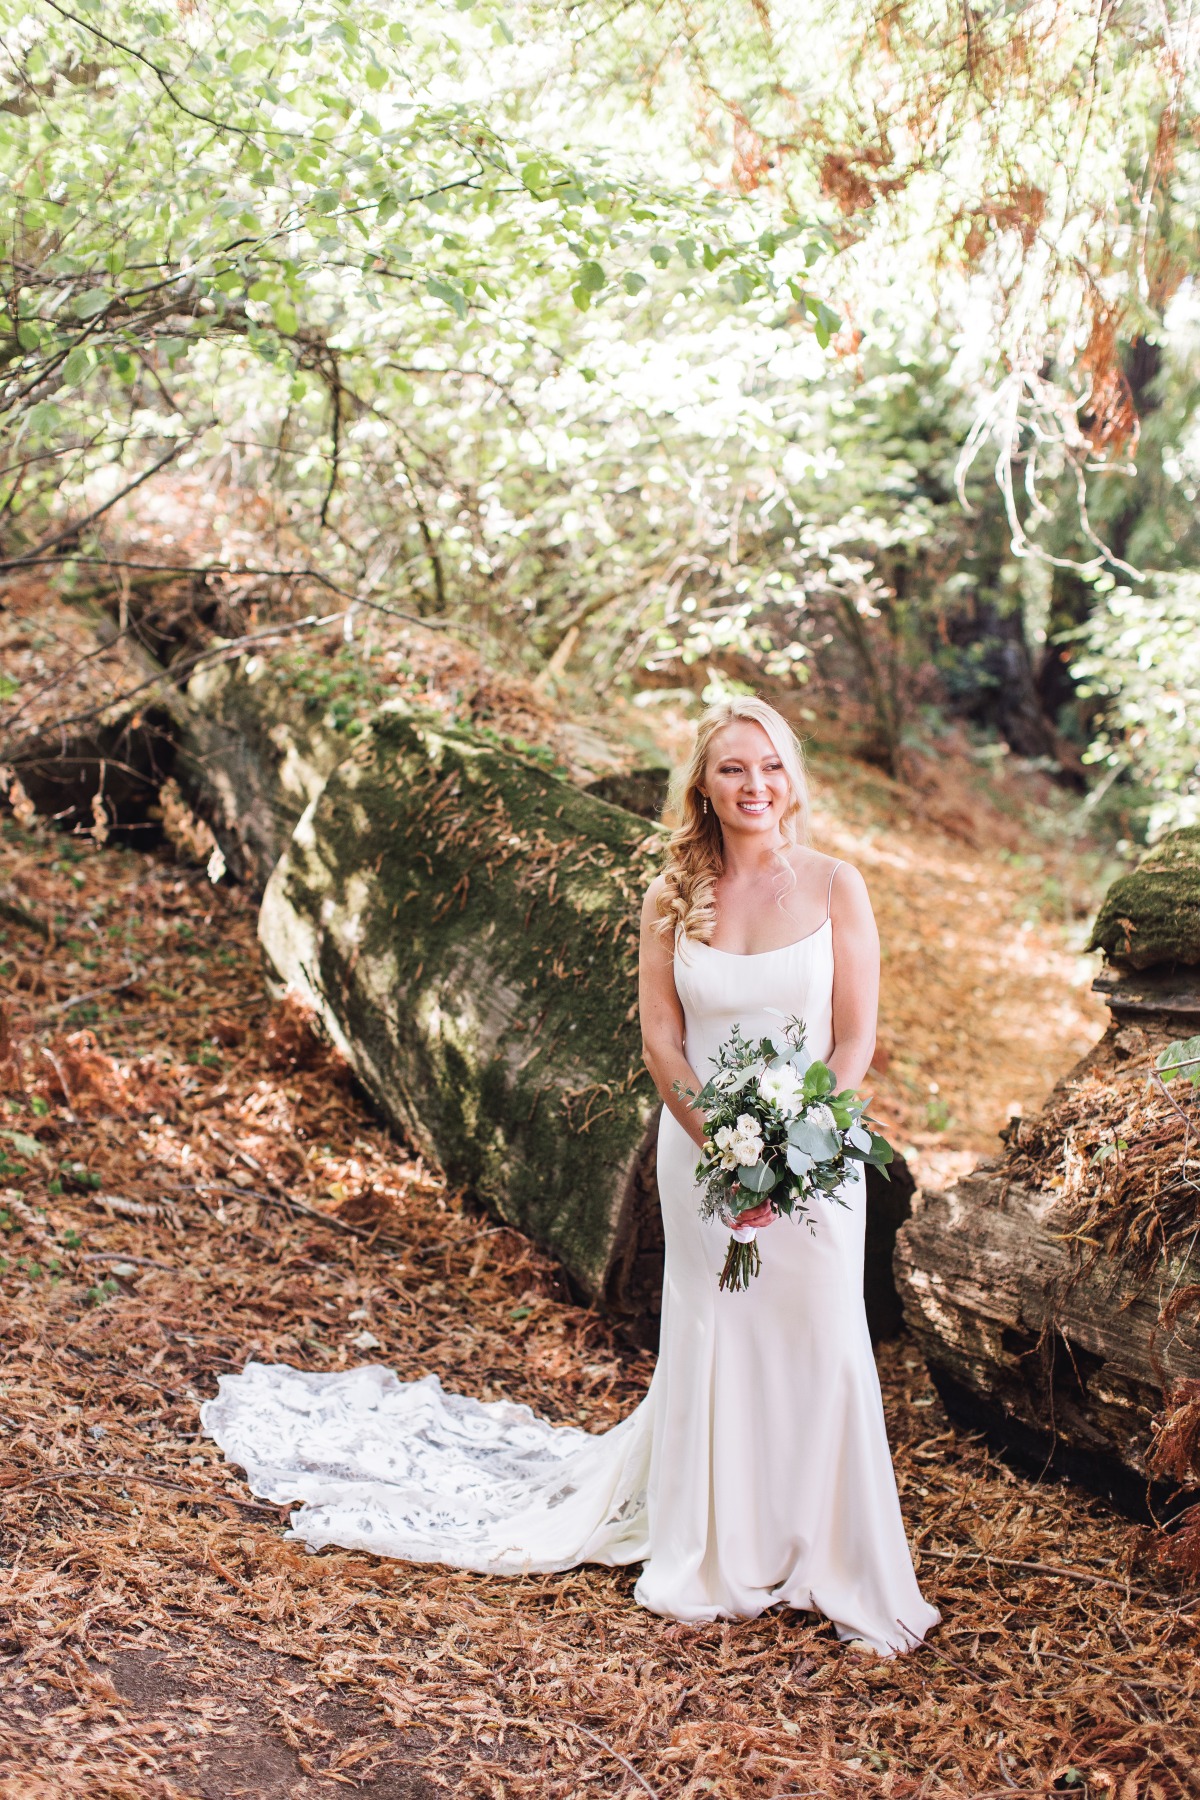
[(405, 1469)]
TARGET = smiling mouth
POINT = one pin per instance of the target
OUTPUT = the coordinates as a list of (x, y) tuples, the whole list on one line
[(754, 806)]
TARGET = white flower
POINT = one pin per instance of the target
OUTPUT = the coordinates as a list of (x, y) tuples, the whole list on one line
[(723, 1140), (783, 1088), (821, 1116), (746, 1140)]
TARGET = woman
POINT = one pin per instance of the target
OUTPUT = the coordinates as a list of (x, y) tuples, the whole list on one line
[(756, 1471), (770, 1474)]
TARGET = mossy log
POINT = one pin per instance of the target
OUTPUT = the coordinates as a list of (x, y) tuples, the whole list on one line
[(1065, 1375), (466, 925), (1150, 918)]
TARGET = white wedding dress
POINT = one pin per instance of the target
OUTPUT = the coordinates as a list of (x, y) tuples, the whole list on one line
[(756, 1471)]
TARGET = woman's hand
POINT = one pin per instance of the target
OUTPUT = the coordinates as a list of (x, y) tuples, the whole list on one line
[(760, 1216)]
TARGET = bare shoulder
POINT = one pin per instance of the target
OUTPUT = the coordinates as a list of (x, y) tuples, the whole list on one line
[(830, 876), (848, 896), (651, 911), (653, 894)]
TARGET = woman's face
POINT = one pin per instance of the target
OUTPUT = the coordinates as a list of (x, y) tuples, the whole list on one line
[(745, 780)]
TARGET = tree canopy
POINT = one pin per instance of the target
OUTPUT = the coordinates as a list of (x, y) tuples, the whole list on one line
[(626, 331)]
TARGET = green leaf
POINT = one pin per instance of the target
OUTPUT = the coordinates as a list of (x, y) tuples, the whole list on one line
[(92, 303), (582, 297), (818, 1141), (818, 1081), (28, 336), (591, 277), (78, 365), (757, 1178), (324, 200), (533, 176), (633, 282), (660, 256), (442, 290), (1182, 1058), (22, 1143), (284, 314), (376, 78)]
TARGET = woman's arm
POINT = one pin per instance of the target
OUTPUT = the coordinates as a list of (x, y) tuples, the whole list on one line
[(662, 1020), (855, 978)]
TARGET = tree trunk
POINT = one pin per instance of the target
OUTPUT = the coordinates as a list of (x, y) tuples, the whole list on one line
[(1071, 1385), (466, 925)]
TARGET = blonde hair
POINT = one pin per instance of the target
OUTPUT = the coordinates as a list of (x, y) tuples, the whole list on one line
[(695, 850)]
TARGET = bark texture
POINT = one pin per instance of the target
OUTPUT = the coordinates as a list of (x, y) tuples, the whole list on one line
[(466, 924), (253, 751), (1066, 1376), (1062, 1361)]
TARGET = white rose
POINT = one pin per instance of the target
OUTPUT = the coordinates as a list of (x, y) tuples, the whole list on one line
[(724, 1139), (747, 1143)]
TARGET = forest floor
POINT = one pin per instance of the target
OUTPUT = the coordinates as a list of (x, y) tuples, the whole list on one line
[(160, 1637)]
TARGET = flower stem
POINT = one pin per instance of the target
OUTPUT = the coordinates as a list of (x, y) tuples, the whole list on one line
[(742, 1263)]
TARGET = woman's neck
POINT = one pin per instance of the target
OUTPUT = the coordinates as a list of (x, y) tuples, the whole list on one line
[(748, 859)]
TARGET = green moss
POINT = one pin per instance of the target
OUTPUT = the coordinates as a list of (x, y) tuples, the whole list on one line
[(490, 973), (1152, 916)]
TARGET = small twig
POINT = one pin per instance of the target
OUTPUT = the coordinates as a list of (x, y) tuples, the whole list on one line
[(72, 531), (176, 1487), (120, 1256), (1040, 1568), (623, 1760), (110, 987), (16, 914), (279, 1195)]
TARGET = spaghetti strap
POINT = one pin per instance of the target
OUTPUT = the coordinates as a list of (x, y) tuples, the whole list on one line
[(829, 895)]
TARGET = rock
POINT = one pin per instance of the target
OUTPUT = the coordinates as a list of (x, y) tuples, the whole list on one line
[(1151, 917)]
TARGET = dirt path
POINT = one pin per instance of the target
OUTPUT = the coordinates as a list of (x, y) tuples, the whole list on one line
[(161, 1637)]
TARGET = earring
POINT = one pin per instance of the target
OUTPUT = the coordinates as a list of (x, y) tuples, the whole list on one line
[(704, 804)]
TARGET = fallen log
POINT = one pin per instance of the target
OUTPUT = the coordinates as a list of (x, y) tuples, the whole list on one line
[(465, 924), (1055, 1291)]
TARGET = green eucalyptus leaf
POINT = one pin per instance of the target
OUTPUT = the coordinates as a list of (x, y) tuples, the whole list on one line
[(757, 1178)]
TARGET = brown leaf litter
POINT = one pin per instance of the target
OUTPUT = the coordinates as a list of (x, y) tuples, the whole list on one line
[(162, 1638)]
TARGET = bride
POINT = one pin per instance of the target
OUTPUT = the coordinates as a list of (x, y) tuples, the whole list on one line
[(756, 1471)]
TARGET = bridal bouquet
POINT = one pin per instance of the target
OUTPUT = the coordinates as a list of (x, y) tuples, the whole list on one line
[(777, 1131)]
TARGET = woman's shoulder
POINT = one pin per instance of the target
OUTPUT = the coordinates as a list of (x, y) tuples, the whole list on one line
[(653, 895), (819, 869)]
